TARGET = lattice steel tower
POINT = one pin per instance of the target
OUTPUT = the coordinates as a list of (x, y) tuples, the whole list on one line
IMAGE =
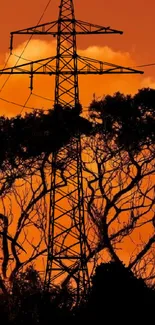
[(67, 256)]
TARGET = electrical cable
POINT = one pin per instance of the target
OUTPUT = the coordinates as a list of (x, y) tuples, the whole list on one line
[(20, 105), (144, 65), (52, 100), (20, 57), (6, 62), (25, 45), (25, 103), (42, 97)]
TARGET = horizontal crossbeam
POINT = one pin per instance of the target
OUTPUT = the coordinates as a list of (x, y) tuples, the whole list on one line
[(85, 66), (81, 28)]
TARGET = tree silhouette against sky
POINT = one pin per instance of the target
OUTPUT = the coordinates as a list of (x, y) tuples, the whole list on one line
[(119, 188)]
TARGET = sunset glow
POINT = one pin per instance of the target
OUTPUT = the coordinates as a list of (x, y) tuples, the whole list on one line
[(127, 49), (132, 49)]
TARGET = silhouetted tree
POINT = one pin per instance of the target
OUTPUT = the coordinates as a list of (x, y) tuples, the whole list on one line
[(28, 301), (127, 120), (120, 178), (119, 143), (117, 295), (36, 133)]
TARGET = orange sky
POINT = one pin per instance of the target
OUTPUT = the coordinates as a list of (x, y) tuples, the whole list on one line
[(134, 47)]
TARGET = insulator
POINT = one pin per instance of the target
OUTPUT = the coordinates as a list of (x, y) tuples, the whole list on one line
[(11, 43)]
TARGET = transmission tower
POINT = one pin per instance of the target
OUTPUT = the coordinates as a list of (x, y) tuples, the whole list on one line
[(67, 256)]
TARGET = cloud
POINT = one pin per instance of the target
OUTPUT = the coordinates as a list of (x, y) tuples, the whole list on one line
[(105, 53), (17, 87), (35, 50), (148, 82)]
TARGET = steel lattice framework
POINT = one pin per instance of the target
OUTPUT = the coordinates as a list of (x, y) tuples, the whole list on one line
[(67, 249)]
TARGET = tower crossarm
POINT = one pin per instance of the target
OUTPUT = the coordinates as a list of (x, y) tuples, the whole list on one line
[(42, 66), (86, 28), (51, 28), (46, 28), (92, 66), (85, 66), (82, 27)]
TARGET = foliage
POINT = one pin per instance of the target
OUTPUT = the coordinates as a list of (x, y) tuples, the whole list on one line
[(116, 294), (28, 301), (120, 179), (127, 120), (25, 166), (119, 200), (36, 133), (119, 295)]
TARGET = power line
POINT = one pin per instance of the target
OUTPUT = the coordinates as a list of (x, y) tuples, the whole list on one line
[(19, 105), (24, 46), (52, 100), (6, 62), (44, 12), (19, 57), (42, 97), (25, 103), (30, 107), (144, 65), (33, 34), (135, 66)]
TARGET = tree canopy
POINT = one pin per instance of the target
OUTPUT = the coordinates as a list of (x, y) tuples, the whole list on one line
[(127, 120), (27, 137), (118, 142)]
